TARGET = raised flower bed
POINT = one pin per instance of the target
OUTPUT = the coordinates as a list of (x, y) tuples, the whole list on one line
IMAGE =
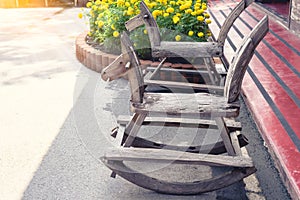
[(180, 20)]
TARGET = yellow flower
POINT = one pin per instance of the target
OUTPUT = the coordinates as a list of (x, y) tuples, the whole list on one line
[(116, 34), (199, 12), (208, 21), (130, 11), (170, 10), (204, 7), (98, 2), (188, 11), (94, 7), (208, 33), (166, 14), (100, 24), (200, 18), (156, 13), (101, 15), (172, 3), (191, 33), (89, 4), (177, 38), (120, 3), (206, 15), (194, 13), (89, 33), (145, 32), (200, 34), (127, 4), (80, 15), (182, 7), (176, 19), (113, 27)]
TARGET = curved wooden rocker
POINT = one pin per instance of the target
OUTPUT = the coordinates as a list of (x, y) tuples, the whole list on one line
[(236, 166), (233, 169)]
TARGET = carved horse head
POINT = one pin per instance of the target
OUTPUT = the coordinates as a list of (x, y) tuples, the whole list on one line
[(114, 70)]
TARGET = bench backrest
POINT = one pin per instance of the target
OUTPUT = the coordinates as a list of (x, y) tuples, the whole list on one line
[(242, 57)]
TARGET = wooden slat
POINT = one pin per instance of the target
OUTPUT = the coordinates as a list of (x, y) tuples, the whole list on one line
[(198, 104), (134, 130), (191, 49), (225, 136), (183, 122), (156, 155), (235, 142), (185, 85)]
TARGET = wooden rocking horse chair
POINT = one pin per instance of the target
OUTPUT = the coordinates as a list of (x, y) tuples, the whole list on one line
[(232, 125), (200, 106)]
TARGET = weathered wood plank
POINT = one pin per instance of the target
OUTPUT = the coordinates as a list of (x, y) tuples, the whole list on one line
[(212, 148), (187, 49), (186, 85), (235, 143), (198, 104), (156, 155), (134, 130), (225, 136), (183, 122)]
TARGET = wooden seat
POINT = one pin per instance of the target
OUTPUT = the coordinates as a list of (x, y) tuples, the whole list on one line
[(200, 106)]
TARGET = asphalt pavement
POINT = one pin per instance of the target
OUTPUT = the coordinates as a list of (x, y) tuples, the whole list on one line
[(56, 115)]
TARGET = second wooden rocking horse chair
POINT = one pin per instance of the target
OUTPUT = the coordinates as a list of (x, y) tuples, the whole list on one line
[(200, 106), (164, 49)]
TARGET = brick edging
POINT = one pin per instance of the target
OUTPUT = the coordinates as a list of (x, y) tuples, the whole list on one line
[(89, 56)]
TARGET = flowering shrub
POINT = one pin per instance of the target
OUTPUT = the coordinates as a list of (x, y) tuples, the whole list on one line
[(179, 20)]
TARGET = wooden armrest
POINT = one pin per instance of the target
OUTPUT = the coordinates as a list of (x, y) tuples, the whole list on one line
[(180, 85), (187, 49)]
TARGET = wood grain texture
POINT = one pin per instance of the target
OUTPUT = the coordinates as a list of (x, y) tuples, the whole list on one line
[(187, 49), (134, 73), (231, 124), (234, 14), (198, 104), (166, 156), (212, 148)]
